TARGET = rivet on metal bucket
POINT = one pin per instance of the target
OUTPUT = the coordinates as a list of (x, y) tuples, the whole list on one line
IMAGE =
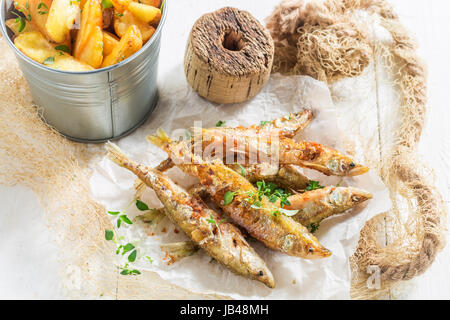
[(98, 105)]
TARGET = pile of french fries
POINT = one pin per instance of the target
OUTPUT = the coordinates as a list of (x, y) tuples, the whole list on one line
[(83, 35)]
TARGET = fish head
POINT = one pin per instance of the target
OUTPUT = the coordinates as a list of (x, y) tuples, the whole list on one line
[(358, 196), (348, 197), (308, 245), (340, 165), (315, 250)]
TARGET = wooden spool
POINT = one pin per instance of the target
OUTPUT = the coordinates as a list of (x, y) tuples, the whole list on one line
[(229, 56)]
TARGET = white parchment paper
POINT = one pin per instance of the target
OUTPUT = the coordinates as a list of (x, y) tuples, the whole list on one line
[(295, 278)]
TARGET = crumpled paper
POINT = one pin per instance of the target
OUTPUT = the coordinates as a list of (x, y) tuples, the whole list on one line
[(296, 278)]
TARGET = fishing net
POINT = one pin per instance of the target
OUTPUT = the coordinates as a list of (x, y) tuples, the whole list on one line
[(317, 39), (325, 40)]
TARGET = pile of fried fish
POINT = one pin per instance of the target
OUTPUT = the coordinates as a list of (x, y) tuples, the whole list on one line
[(270, 201)]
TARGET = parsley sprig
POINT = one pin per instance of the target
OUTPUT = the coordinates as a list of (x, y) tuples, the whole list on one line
[(124, 248), (313, 227), (213, 221), (313, 185), (269, 190)]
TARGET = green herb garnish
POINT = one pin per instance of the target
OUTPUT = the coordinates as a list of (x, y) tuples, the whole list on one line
[(132, 256), (213, 221), (313, 227), (125, 219), (106, 4), (313, 185), (228, 198), (220, 123), (126, 248), (243, 172), (141, 205), (263, 123), (49, 61), (109, 235), (21, 21), (63, 47)]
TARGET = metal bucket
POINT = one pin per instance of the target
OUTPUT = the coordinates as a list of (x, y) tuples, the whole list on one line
[(97, 105)]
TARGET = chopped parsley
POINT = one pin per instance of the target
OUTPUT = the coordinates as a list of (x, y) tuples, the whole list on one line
[(213, 221), (141, 205), (121, 218), (21, 21), (40, 6), (313, 227), (313, 185), (106, 4), (228, 198), (220, 123), (63, 48), (273, 193), (109, 235), (263, 123), (49, 61), (243, 172)]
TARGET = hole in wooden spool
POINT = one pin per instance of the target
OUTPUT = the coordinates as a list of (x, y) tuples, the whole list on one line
[(233, 41)]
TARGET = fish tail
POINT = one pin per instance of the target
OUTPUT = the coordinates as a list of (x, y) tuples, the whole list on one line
[(159, 139), (115, 154), (141, 171)]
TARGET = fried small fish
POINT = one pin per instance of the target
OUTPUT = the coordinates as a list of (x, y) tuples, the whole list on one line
[(287, 126), (236, 196), (220, 239), (254, 148), (319, 204)]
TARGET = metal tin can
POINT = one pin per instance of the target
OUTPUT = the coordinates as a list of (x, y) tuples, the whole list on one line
[(97, 105)]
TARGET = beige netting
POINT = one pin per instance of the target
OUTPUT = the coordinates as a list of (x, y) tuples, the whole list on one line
[(323, 40)]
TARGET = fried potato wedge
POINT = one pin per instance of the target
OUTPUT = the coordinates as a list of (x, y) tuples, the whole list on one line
[(18, 26), (92, 53), (109, 42), (34, 45), (89, 42), (143, 12), (129, 44), (127, 19), (61, 18), (35, 12)]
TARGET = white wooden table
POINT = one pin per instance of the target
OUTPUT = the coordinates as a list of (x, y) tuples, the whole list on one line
[(28, 267)]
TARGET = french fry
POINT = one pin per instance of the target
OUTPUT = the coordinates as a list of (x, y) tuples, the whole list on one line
[(129, 44), (144, 12), (61, 18), (89, 42), (35, 12), (109, 42), (127, 19), (18, 26), (34, 45)]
